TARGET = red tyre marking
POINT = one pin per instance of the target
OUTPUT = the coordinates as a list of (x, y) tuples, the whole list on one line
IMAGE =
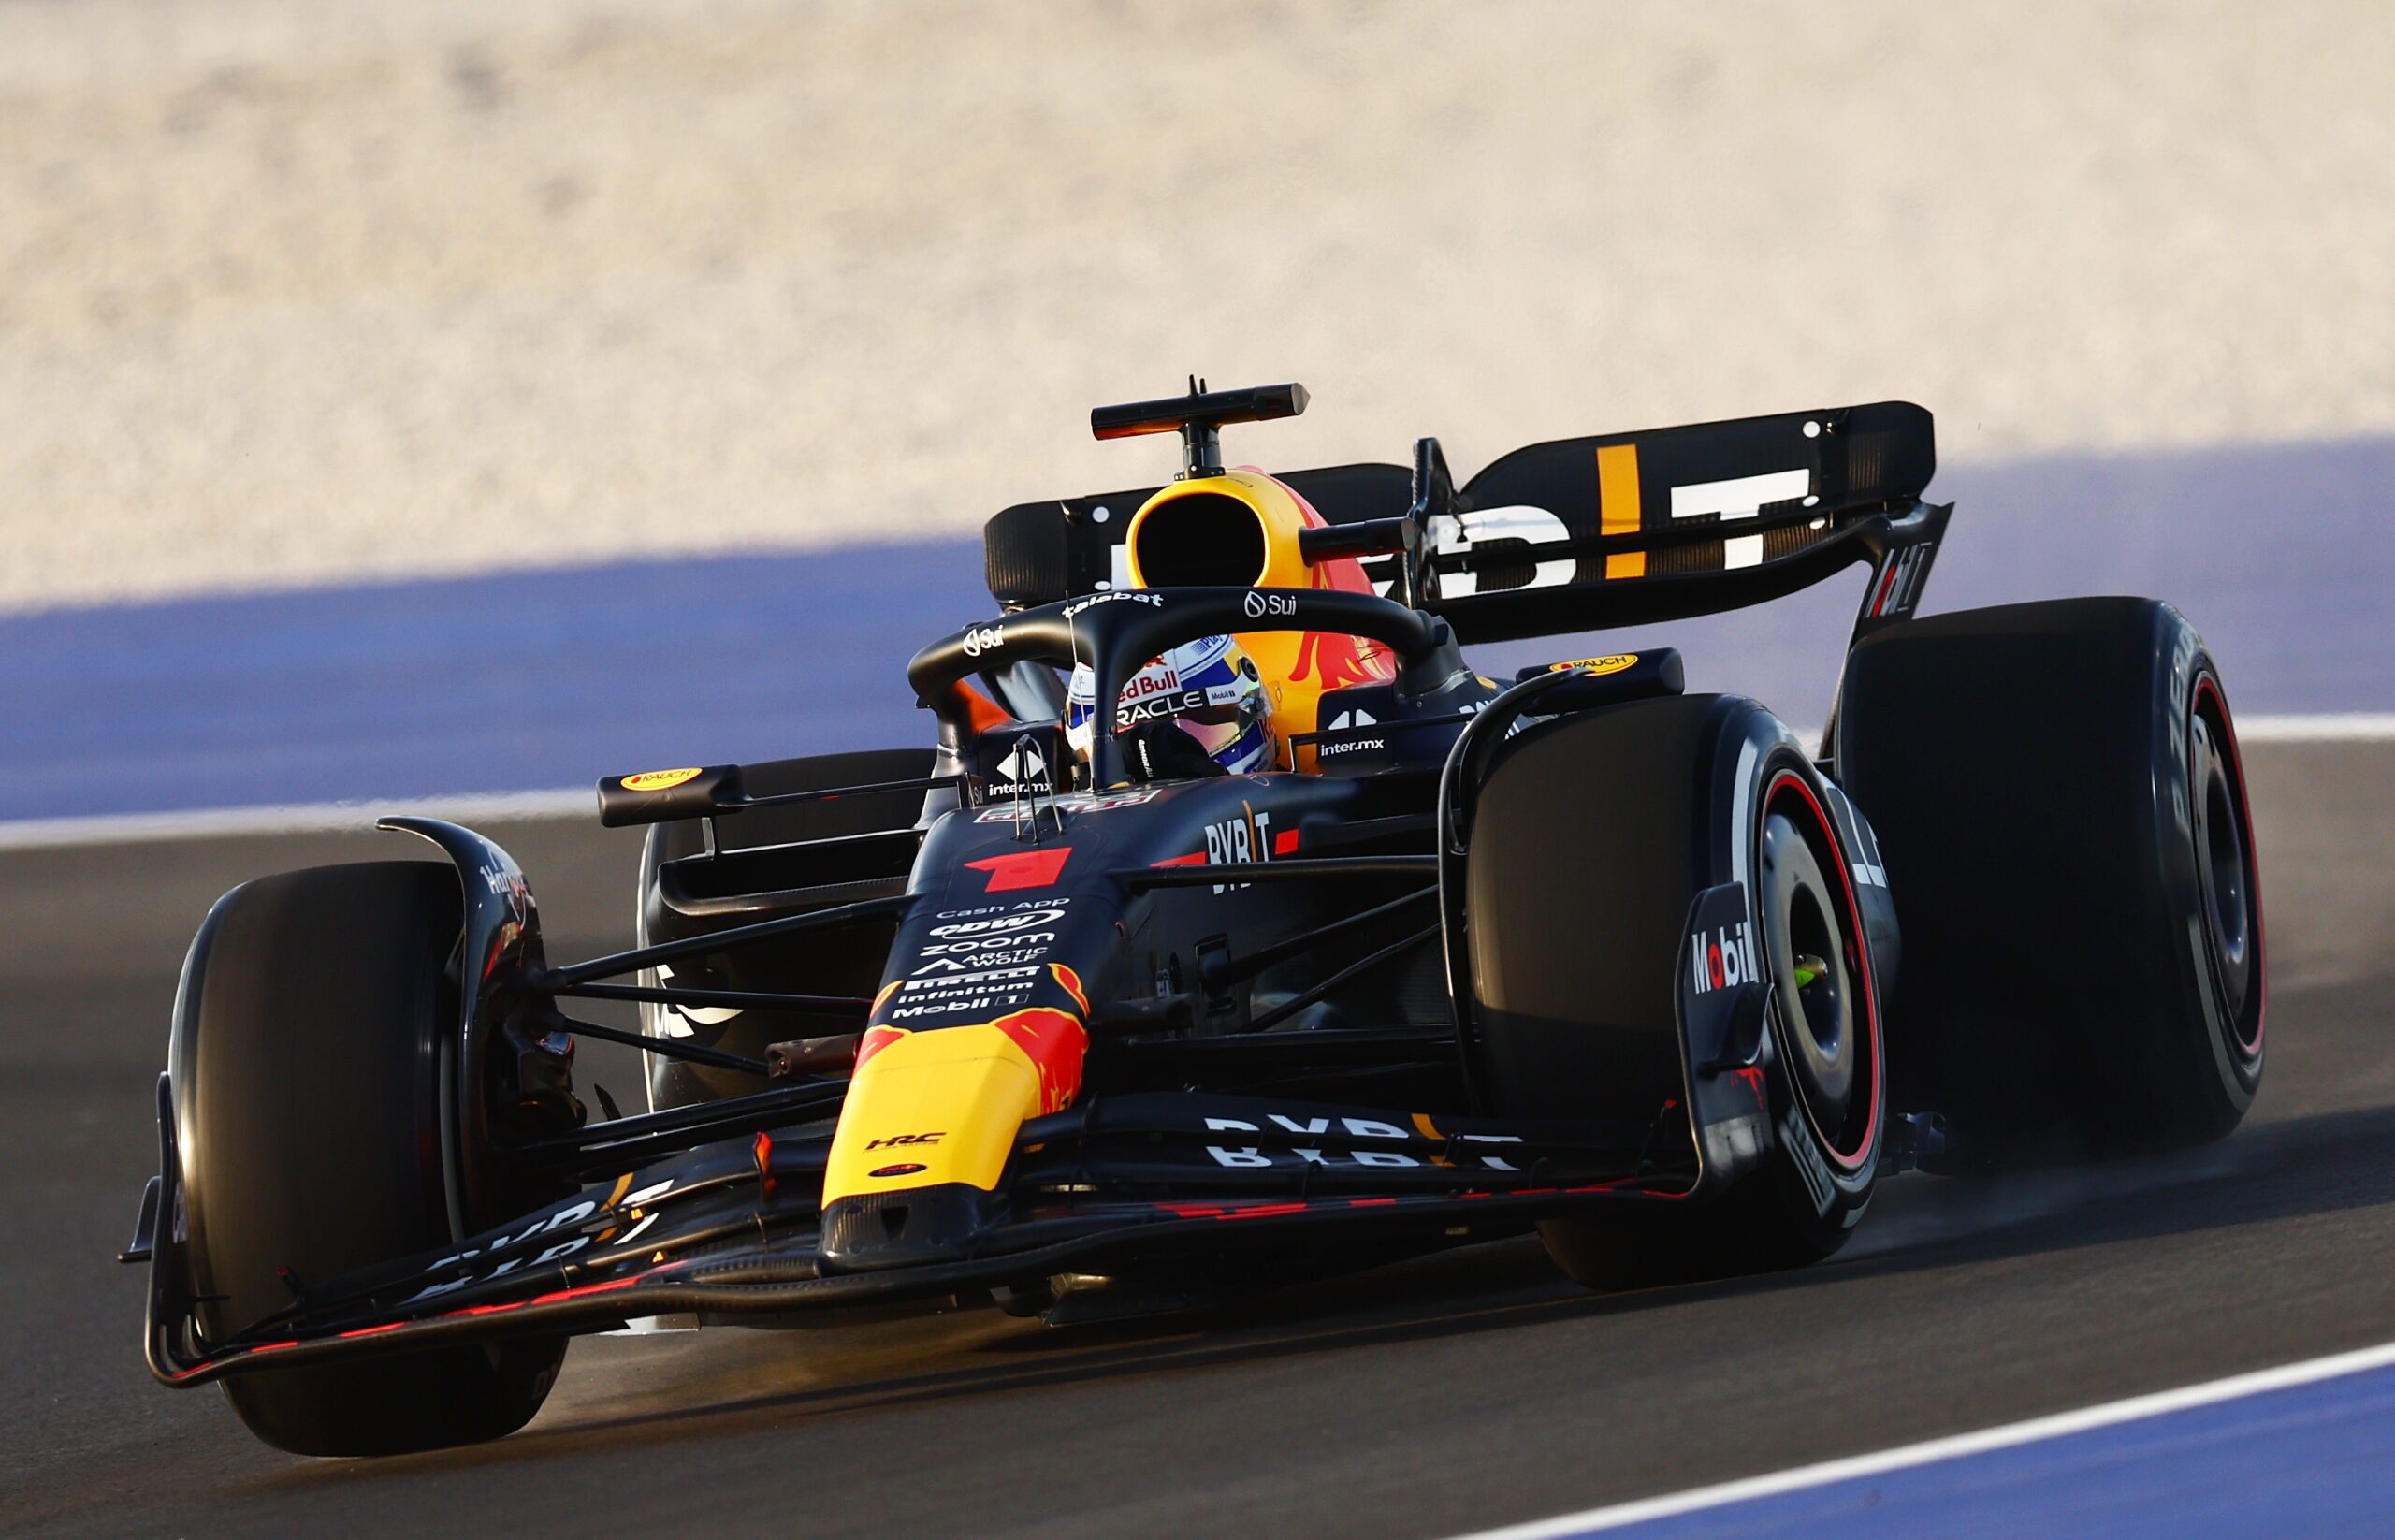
[(2208, 686)]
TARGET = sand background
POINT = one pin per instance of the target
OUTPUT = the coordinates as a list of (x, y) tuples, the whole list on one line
[(298, 294)]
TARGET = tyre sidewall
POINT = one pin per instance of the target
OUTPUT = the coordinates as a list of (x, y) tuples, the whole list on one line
[(307, 1068), (1816, 1193), (2220, 1076)]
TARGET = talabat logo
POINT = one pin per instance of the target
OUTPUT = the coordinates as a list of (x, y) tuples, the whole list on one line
[(1125, 596)]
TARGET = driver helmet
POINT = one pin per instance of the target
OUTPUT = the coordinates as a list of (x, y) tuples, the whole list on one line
[(1209, 689)]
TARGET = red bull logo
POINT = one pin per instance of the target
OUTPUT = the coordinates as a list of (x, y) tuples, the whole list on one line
[(1055, 1042)]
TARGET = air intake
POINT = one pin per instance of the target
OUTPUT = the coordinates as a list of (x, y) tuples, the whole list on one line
[(1203, 539)]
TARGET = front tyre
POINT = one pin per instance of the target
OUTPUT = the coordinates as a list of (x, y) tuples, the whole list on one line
[(307, 1067), (1592, 839)]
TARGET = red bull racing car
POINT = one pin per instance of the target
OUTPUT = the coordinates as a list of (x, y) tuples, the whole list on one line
[(1233, 929)]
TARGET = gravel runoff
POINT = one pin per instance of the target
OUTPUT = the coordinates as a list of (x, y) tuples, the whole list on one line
[(356, 288)]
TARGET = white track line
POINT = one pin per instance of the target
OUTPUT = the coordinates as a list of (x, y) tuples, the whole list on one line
[(1621, 1514), (2329, 727), (305, 818), (508, 807)]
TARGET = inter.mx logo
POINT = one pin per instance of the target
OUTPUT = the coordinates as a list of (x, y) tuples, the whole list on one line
[(1348, 721), (1022, 764), (1723, 956)]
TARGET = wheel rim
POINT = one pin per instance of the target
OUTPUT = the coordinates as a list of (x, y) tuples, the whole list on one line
[(2230, 906), (1808, 963), (1813, 949)]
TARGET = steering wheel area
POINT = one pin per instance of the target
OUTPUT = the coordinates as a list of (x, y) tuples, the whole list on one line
[(1118, 631)]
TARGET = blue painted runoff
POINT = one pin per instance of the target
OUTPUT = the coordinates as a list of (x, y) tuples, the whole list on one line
[(2311, 1459), (550, 676)]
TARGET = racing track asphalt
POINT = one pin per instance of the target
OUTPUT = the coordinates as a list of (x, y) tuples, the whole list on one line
[(1417, 1402)]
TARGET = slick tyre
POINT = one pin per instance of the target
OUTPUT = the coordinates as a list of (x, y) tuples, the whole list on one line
[(1592, 836), (2062, 814), (307, 1068)]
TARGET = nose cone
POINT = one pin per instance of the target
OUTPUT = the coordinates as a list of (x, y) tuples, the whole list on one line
[(929, 1124)]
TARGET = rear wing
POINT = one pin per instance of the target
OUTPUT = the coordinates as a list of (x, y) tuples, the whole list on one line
[(1584, 534)]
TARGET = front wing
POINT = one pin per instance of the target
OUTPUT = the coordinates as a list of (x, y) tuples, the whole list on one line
[(1142, 1181)]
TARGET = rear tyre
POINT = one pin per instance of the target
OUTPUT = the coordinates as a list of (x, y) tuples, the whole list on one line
[(2063, 817), (307, 1064), (1592, 838)]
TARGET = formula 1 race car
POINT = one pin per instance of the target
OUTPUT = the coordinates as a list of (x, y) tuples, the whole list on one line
[(1235, 930)]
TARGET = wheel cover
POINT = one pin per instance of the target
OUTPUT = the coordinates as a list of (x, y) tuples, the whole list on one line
[(1829, 1022), (1809, 967)]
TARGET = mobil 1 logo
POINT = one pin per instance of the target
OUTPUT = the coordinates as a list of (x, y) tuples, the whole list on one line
[(1721, 956), (1721, 977)]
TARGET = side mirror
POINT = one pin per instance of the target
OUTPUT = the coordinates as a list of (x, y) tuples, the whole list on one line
[(1607, 680), (1399, 537), (656, 796)]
